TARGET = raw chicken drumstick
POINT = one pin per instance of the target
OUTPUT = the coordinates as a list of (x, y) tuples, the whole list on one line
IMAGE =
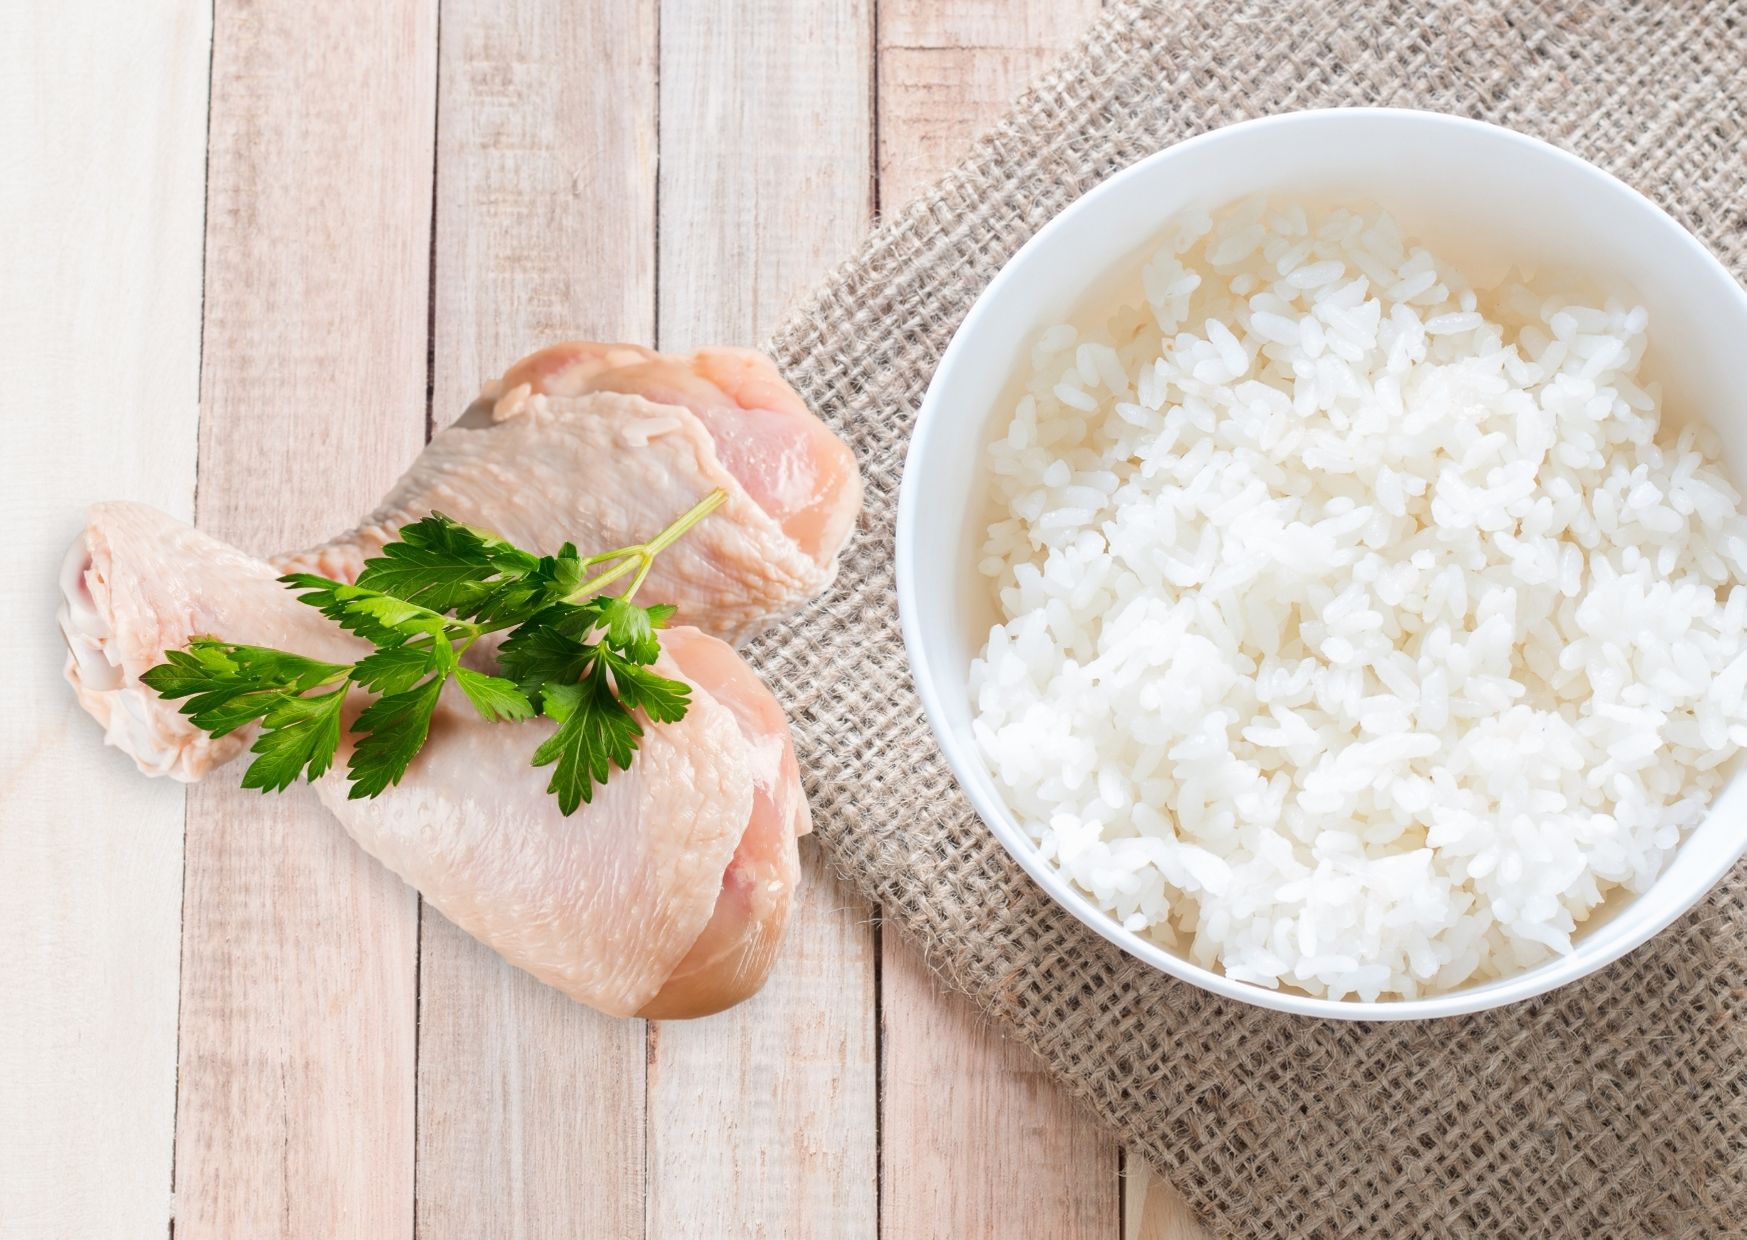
[(596, 443), (569, 445), (664, 897)]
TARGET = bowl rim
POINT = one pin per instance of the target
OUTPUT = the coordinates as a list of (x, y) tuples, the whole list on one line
[(992, 810)]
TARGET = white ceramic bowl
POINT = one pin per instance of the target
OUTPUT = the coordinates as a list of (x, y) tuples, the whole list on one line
[(1484, 195)]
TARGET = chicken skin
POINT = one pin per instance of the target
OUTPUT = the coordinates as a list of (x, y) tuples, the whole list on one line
[(599, 444), (138, 582), (665, 896)]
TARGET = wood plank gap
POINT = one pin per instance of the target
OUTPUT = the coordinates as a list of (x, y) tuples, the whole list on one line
[(654, 339), (101, 201), (655, 217), (877, 911), (873, 107), (530, 1120), (418, 972), (205, 208), (1122, 1157), (879, 972), (763, 1120), (431, 275), (298, 949), (199, 395), (181, 949), (876, 207), (976, 1139)]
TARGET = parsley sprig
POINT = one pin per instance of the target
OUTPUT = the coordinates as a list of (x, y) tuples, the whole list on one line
[(573, 653)]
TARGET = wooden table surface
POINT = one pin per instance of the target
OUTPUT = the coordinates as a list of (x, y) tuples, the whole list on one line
[(251, 251)]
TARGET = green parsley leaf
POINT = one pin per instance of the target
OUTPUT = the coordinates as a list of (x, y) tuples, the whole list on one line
[(380, 619), (518, 597), (186, 671), (446, 566), (394, 670), (209, 664), (629, 629), (595, 732), (436, 564), (664, 700), (300, 733), (537, 654), (495, 698), (223, 711), (229, 685), (567, 571), (515, 599), (384, 609), (394, 728)]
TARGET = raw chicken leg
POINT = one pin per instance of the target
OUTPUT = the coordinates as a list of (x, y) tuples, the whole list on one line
[(731, 957), (138, 583), (572, 449), (601, 444), (665, 896)]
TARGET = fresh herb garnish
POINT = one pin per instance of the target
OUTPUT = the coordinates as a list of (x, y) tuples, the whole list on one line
[(573, 654)]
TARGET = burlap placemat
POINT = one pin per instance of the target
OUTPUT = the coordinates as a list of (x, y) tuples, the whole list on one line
[(1615, 1107)]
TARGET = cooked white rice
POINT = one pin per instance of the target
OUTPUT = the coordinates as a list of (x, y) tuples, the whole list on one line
[(1360, 634)]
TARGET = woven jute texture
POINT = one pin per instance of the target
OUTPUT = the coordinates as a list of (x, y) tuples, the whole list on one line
[(1616, 1107)]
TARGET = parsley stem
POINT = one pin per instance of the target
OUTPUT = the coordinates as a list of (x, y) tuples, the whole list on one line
[(637, 581), (618, 553), (697, 512), (595, 584), (642, 556)]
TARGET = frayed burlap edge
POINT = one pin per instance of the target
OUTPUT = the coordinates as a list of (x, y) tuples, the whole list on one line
[(1615, 1107)]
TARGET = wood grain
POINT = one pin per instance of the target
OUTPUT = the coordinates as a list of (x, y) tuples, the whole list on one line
[(1151, 1208), (546, 145), (295, 1100), (763, 1121), (947, 71), (530, 1105), (976, 1141), (100, 347), (314, 999)]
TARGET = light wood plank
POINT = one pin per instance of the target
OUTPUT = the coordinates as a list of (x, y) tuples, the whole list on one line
[(976, 1140), (531, 1105), (948, 71), (763, 1121), (102, 149), (1151, 1208), (545, 183), (295, 1108)]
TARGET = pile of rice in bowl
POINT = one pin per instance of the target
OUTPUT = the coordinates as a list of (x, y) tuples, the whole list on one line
[(1361, 632)]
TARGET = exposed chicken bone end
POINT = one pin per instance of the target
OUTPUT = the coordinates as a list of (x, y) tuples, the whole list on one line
[(137, 583), (133, 718)]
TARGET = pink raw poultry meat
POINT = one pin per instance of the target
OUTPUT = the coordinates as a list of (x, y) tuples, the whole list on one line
[(137, 583), (665, 896), (600, 444), (571, 445)]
